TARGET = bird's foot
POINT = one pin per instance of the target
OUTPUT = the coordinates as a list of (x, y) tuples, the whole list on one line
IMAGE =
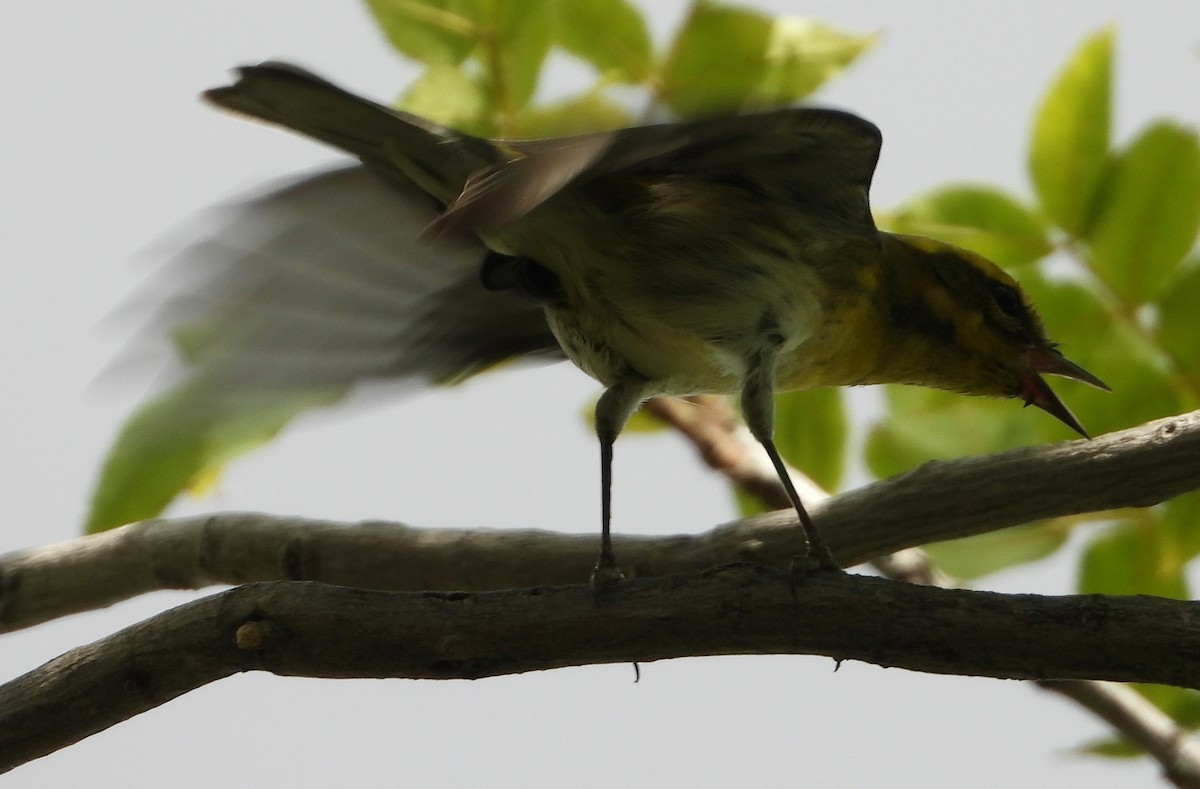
[(605, 574), (819, 559)]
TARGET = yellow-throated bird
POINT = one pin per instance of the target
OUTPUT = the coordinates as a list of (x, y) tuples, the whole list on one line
[(731, 255)]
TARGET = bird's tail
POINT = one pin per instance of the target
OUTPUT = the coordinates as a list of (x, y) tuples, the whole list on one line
[(393, 143)]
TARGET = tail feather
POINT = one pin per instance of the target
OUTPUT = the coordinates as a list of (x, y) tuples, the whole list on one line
[(396, 144)]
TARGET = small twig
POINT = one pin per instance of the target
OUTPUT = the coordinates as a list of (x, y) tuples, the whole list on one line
[(1139, 722)]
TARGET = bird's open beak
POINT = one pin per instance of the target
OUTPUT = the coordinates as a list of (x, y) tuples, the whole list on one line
[(1035, 391)]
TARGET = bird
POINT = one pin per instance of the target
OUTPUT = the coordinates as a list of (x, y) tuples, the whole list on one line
[(734, 254)]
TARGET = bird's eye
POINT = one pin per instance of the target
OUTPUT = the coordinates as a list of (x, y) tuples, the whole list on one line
[(1008, 300)]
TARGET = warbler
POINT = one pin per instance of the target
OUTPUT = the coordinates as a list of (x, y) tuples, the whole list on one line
[(732, 254)]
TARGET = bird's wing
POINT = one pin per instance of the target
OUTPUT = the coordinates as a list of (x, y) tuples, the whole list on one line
[(823, 159), (325, 282), (290, 300)]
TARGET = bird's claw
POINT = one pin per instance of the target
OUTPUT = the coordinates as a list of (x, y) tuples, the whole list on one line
[(605, 574)]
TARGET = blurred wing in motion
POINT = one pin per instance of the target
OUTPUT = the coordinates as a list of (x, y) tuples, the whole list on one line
[(303, 293), (325, 282)]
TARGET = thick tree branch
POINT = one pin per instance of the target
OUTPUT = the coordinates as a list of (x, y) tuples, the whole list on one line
[(1131, 714), (723, 443), (1132, 468), (325, 631)]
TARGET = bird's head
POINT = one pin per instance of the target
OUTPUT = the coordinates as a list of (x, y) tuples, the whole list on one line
[(963, 324)]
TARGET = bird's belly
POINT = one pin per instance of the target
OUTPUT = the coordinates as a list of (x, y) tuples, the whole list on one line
[(670, 361), (687, 312), (678, 356)]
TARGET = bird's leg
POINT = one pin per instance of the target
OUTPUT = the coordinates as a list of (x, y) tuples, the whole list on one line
[(758, 409), (816, 544), (606, 563), (616, 405)]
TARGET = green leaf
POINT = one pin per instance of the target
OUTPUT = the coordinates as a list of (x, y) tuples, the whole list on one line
[(716, 60), (192, 340), (979, 218), (1111, 747), (1148, 212), (927, 424), (725, 58), (431, 31), (513, 48), (1069, 147), (747, 503), (810, 433), (1179, 530), (609, 34), (180, 440), (1177, 310), (449, 95), (641, 422), (802, 55), (974, 557), (1182, 704), (509, 40), (1132, 558), (587, 112)]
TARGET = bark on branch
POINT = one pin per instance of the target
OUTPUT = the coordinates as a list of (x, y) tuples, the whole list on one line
[(309, 629), (1132, 468)]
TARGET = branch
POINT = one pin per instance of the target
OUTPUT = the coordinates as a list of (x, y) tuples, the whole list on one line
[(324, 631), (725, 446), (1131, 714), (937, 501)]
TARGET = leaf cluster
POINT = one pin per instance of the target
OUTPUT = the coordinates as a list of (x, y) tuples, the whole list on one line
[(1106, 250), (484, 61)]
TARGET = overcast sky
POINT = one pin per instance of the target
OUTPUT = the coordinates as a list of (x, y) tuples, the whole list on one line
[(104, 150)]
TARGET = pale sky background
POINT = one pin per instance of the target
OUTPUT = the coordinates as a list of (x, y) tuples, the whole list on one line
[(104, 149)]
